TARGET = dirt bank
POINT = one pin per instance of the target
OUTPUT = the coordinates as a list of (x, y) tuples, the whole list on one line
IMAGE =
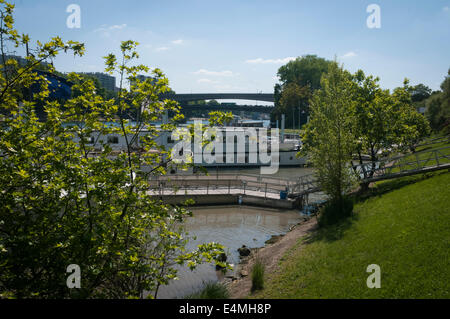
[(270, 256)]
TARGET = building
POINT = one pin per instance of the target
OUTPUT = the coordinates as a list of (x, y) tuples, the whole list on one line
[(108, 82), (142, 78)]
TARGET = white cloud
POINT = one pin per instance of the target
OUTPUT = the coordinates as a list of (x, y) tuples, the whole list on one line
[(270, 61), (350, 54), (161, 49), (118, 26), (214, 73), (179, 41), (105, 27), (206, 81)]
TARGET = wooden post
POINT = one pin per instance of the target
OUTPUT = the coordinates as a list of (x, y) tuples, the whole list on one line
[(265, 192), (229, 186)]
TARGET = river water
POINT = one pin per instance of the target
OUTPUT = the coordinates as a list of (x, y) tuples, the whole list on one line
[(232, 226)]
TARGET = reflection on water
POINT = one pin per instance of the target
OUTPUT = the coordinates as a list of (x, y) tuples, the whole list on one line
[(231, 226)]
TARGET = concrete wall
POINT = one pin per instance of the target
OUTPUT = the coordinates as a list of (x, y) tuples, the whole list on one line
[(231, 199)]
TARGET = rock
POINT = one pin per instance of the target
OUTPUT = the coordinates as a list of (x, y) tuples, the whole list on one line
[(244, 273), (222, 257), (244, 251)]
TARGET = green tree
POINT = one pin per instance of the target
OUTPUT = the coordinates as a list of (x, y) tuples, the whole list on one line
[(306, 73), (67, 198), (383, 121), (409, 125), (294, 99), (328, 138), (438, 107), (213, 103)]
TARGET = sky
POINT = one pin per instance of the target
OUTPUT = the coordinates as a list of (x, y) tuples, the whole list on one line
[(209, 46)]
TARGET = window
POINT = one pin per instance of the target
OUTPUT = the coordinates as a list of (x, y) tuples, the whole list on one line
[(113, 139), (169, 140)]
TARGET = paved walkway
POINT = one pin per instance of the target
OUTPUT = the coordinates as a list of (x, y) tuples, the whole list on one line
[(214, 191)]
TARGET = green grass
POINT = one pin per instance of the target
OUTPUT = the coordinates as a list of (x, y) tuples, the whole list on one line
[(257, 276), (212, 290), (404, 227)]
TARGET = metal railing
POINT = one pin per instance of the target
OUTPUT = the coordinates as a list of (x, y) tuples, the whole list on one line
[(419, 162), (226, 183), (387, 168)]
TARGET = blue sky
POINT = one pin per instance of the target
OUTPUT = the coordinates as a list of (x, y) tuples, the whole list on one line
[(238, 46)]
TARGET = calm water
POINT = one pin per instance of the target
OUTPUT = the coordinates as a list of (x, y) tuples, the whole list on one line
[(231, 226)]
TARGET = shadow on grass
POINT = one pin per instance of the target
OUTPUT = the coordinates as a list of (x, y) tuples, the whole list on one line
[(333, 232)]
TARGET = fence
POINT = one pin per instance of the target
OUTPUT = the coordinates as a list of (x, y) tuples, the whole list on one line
[(226, 183)]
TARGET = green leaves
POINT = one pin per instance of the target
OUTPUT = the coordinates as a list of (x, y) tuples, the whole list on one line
[(328, 137), (68, 197)]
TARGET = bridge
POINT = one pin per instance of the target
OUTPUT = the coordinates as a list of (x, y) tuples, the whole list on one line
[(267, 109), (388, 168), (186, 97)]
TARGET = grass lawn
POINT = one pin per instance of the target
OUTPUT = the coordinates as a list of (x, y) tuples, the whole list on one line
[(404, 227)]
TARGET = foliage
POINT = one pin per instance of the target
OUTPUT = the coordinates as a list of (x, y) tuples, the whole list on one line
[(438, 107), (257, 276), (293, 100), (333, 212), (68, 198), (212, 290), (383, 120), (298, 79), (328, 138)]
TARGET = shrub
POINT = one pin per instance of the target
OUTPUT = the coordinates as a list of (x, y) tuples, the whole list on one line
[(212, 290), (334, 211), (258, 275)]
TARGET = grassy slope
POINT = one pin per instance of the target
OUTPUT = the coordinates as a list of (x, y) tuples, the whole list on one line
[(405, 229)]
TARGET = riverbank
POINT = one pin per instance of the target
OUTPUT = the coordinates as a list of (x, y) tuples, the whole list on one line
[(270, 255), (403, 226)]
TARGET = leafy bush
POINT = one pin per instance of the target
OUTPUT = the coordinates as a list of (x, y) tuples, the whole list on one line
[(258, 276), (67, 198), (212, 290), (334, 211)]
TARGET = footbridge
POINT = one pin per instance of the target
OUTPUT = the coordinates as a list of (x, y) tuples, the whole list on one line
[(186, 97), (387, 168)]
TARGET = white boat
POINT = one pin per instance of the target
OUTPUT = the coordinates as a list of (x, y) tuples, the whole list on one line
[(237, 155)]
